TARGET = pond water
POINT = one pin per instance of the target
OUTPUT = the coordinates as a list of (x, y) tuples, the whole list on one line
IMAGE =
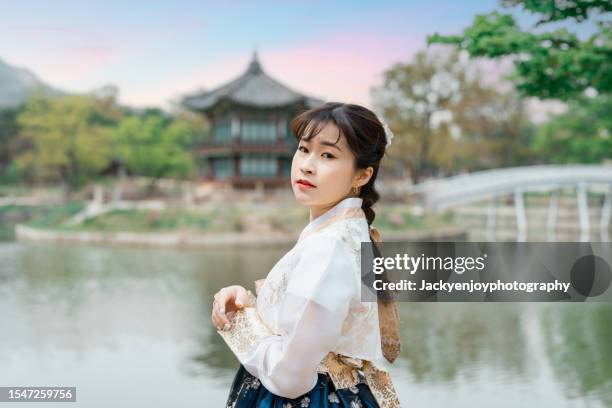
[(130, 327)]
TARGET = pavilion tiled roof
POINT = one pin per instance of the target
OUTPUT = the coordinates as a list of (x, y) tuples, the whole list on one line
[(253, 88)]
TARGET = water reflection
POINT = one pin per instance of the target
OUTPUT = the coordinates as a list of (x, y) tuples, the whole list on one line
[(444, 340), (131, 327), (579, 344)]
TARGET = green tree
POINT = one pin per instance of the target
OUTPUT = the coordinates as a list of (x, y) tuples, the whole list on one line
[(496, 130), (555, 64), (154, 146), (9, 131), (413, 98), (446, 119), (68, 139), (581, 135)]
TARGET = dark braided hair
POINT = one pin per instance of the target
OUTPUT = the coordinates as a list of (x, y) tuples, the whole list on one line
[(366, 138)]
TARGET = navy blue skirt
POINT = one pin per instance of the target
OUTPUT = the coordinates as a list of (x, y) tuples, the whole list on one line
[(248, 392)]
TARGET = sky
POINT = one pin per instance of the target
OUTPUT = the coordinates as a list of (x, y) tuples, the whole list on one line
[(157, 51)]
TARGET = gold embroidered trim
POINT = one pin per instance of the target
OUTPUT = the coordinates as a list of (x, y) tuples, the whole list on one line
[(247, 330), (388, 318), (345, 372), (352, 212), (252, 299)]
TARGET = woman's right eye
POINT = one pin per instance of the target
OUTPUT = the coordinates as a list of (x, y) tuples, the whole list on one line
[(302, 147)]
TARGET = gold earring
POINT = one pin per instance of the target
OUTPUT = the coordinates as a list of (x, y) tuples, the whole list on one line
[(355, 191)]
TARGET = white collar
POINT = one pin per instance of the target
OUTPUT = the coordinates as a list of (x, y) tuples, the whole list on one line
[(349, 202)]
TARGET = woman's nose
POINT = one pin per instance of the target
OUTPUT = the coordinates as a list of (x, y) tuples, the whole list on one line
[(307, 165), (306, 170)]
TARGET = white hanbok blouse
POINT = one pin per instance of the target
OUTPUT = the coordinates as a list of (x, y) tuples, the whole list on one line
[(311, 303)]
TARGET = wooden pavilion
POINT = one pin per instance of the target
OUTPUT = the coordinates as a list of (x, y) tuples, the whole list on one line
[(251, 141)]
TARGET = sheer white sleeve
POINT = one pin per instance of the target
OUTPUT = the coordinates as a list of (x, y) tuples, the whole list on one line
[(317, 300)]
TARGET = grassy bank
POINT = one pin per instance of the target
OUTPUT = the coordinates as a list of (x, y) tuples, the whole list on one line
[(46, 217), (232, 218)]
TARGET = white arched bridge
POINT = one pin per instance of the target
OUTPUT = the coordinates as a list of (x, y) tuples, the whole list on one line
[(445, 193)]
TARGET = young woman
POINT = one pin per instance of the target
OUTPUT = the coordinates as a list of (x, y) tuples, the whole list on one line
[(307, 339)]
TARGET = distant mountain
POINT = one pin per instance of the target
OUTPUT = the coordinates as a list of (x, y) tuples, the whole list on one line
[(16, 83)]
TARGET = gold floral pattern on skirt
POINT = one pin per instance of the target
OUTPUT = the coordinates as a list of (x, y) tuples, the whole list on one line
[(347, 372)]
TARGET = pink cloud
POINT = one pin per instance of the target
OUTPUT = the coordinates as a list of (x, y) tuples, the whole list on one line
[(207, 77), (340, 67), (66, 56), (75, 58), (74, 65), (343, 67)]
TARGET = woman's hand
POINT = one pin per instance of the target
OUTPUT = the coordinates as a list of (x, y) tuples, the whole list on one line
[(229, 300)]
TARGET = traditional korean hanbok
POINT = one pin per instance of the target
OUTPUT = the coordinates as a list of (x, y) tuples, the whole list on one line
[(310, 341)]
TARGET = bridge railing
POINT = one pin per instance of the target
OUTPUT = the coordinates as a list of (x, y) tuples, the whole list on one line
[(445, 193)]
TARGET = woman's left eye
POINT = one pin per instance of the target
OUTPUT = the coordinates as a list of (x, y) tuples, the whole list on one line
[(330, 156)]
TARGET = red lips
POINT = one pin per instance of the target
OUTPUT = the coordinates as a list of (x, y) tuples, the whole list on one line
[(305, 182)]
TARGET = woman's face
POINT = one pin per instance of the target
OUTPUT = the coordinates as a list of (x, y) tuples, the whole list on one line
[(329, 169)]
